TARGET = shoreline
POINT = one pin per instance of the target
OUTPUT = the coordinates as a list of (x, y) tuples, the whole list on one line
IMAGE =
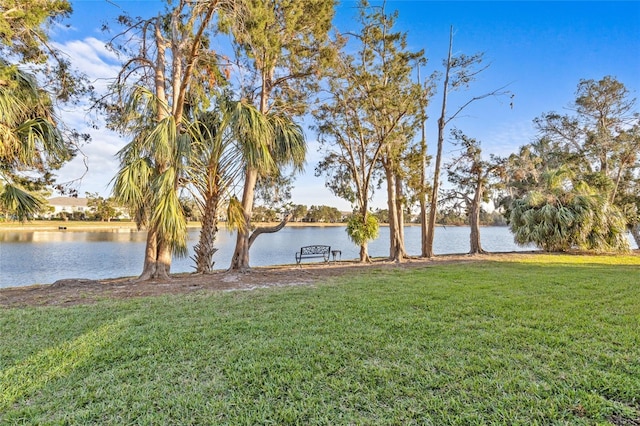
[(69, 292)]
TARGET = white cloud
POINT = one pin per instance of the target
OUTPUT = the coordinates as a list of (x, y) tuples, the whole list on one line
[(96, 163), (91, 57)]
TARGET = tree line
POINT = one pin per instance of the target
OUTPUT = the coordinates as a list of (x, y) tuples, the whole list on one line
[(105, 209), (224, 127)]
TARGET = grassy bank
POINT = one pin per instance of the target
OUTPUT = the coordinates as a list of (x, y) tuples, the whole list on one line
[(550, 341)]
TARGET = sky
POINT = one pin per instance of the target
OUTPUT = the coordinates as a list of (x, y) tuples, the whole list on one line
[(539, 50)]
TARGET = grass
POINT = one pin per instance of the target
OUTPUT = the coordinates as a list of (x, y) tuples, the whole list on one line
[(550, 341)]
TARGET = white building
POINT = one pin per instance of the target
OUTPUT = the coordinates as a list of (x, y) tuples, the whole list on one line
[(67, 205)]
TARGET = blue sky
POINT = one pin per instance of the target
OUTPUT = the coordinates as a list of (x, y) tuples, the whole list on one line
[(539, 49)]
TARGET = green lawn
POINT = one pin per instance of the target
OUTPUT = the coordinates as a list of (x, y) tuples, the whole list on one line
[(550, 341)]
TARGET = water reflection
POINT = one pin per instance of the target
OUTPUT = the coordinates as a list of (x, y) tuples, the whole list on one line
[(115, 235)]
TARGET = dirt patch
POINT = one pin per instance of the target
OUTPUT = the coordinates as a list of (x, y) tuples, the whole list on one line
[(71, 292), (619, 420)]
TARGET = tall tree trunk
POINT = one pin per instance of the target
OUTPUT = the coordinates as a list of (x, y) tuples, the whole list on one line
[(400, 216), (474, 222), (205, 249), (397, 252), (635, 232), (240, 259), (364, 253), (364, 247), (157, 259), (423, 178), (423, 225), (393, 217), (150, 255), (163, 262), (436, 178)]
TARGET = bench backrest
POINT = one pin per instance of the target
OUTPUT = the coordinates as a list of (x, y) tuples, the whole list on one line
[(315, 250)]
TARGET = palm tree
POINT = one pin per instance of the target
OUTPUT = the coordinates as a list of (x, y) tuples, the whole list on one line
[(215, 167), (29, 140), (208, 172), (268, 143), (563, 214), (167, 76), (153, 167)]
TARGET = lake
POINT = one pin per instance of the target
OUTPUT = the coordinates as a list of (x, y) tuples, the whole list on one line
[(42, 257)]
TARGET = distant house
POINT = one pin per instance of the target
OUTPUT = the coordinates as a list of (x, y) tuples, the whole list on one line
[(67, 206), (76, 207)]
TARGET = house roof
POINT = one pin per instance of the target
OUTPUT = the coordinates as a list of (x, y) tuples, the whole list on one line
[(68, 201)]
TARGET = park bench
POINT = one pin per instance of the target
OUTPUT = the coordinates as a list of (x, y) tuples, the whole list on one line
[(313, 251)]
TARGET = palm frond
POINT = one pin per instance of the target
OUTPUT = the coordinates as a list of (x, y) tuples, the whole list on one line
[(161, 141), (29, 136), (167, 215), (131, 183), (289, 146), (253, 134), (40, 138), (19, 201), (142, 108), (235, 215)]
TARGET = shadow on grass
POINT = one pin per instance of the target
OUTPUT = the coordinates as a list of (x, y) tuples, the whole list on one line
[(36, 371)]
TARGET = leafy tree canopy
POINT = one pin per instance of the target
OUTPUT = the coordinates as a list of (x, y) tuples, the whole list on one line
[(24, 29), (33, 77), (362, 229), (599, 143), (565, 213)]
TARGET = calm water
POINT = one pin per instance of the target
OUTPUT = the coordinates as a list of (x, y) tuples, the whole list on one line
[(42, 257)]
